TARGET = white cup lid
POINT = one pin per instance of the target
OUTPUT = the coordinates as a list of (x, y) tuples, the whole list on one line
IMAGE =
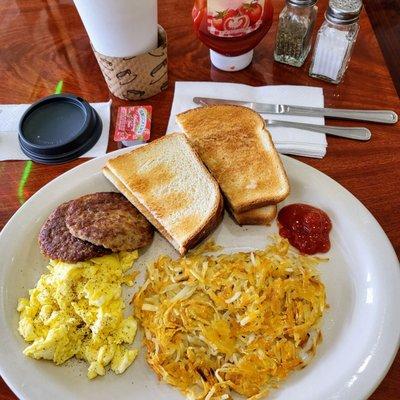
[(231, 64)]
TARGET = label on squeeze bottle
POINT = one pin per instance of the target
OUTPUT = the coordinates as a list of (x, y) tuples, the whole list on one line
[(232, 18)]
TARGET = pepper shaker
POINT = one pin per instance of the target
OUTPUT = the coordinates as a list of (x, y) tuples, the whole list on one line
[(293, 38), (335, 40)]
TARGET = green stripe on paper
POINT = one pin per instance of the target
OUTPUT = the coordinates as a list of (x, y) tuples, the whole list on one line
[(59, 87), (24, 178)]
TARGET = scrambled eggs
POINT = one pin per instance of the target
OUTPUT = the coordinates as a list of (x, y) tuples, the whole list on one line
[(238, 322), (77, 310)]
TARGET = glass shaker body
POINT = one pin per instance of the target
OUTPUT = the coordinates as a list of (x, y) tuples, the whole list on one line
[(293, 38), (333, 49)]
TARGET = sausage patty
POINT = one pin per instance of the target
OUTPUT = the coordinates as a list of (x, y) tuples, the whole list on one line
[(108, 219), (57, 243)]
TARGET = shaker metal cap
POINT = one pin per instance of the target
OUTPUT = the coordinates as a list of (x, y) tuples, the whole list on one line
[(302, 3), (343, 12)]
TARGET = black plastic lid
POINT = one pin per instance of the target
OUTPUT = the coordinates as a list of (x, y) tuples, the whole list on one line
[(58, 129)]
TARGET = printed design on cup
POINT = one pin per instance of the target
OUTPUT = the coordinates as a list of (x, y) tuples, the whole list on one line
[(159, 52), (232, 18), (106, 64), (156, 55), (137, 77), (157, 80), (126, 76), (131, 93), (155, 72), (107, 77), (164, 86)]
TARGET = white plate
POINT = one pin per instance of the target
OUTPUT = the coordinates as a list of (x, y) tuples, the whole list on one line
[(361, 329)]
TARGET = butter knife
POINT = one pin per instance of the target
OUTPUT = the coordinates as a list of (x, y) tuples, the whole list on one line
[(341, 131), (382, 116)]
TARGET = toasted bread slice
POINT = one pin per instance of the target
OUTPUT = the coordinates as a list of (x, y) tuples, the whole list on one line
[(167, 182), (258, 216), (125, 191), (238, 150)]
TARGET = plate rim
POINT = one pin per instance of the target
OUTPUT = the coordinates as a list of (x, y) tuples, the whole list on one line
[(383, 365)]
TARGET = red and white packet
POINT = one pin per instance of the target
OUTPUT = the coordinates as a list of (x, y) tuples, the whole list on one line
[(133, 125)]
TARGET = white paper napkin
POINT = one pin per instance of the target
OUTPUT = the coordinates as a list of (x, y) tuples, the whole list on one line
[(287, 140), (10, 114)]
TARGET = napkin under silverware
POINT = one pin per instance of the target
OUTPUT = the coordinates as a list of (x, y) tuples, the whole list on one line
[(287, 140)]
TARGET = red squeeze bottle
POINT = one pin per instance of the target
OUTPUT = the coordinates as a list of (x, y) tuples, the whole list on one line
[(231, 29)]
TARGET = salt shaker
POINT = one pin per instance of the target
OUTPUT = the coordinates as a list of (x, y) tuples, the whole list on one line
[(293, 38), (335, 40)]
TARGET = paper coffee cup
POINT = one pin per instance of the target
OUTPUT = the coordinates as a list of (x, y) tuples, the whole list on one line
[(120, 28)]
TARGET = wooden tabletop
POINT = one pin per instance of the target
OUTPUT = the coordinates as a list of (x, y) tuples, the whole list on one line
[(43, 42)]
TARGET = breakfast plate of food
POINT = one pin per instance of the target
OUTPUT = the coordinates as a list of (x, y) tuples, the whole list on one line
[(202, 265)]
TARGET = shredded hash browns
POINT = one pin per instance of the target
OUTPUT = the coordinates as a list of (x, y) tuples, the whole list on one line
[(241, 322)]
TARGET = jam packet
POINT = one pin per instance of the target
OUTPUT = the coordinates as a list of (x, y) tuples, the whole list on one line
[(133, 125)]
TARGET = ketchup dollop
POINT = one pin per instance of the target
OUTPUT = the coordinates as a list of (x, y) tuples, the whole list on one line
[(306, 227)]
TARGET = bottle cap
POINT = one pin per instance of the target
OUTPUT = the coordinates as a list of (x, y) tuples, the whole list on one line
[(231, 64), (302, 3), (58, 128), (343, 12)]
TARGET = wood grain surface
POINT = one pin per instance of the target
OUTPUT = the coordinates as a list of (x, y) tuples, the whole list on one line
[(385, 20), (42, 42)]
